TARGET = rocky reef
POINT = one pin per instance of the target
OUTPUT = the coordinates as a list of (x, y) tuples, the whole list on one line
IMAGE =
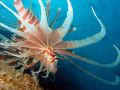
[(11, 79)]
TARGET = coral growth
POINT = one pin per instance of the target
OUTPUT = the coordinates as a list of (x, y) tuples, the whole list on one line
[(10, 79)]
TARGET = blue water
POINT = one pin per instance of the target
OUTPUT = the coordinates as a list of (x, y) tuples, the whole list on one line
[(68, 76)]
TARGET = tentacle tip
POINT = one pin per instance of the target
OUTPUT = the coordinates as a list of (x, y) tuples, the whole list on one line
[(92, 7), (75, 28), (114, 46), (117, 80), (59, 9), (93, 10), (48, 1), (15, 0)]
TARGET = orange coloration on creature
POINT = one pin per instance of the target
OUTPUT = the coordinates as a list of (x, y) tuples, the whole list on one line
[(50, 54)]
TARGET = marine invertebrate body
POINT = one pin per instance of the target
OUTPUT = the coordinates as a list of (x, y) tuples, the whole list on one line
[(35, 39)]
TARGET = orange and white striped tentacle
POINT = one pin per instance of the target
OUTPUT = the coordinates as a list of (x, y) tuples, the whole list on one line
[(25, 14)]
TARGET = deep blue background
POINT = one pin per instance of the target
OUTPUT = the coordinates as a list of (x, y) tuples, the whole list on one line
[(68, 76)]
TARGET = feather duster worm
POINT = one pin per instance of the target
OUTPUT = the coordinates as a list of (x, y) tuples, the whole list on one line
[(35, 39)]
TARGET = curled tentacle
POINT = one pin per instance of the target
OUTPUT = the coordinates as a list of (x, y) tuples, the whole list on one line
[(40, 67), (31, 63), (113, 64), (84, 42), (115, 82), (67, 23), (72, 29), (39, 70), (46, 75)]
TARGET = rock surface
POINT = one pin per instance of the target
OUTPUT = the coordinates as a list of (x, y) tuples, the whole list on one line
[(10, 79)]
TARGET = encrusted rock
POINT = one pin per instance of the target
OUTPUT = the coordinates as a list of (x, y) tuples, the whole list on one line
[(10, 79)]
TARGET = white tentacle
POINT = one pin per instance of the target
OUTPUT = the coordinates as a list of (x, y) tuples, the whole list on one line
[(12, 30), (68, 21), (43, 22), (87, 41)]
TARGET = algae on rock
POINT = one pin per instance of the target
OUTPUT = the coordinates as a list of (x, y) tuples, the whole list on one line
[(11, 79)]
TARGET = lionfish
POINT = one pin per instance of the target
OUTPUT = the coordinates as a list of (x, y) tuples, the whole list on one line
[(36, 41)]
